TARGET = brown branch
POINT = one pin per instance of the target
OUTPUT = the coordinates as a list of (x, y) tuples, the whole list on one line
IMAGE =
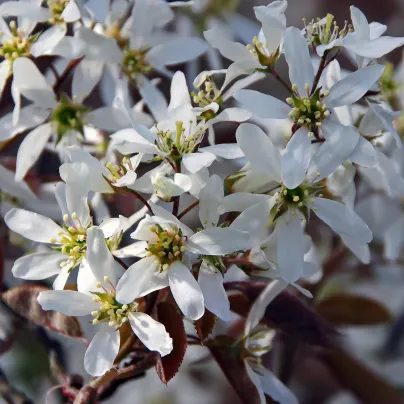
[(188, 209)]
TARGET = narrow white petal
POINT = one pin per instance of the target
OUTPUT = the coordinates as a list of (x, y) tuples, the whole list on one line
[(153, 98), (31, 148), (8, 184), (86, 281), (240, 201), (71, 12), (297, 56), (263, 105), (231, 115), (85, 77), (152, 333), (99, 257), (67, 302), (394, 239), (364, 153), (296, 158), (186, 291), (31, 225), (38, 265), (179, 92), (290, 247), (140, 279), (177, 51), (210, 197), (196, 161), (361, 250), (49, 39), (353, 86), (360, 23), (342, 220), (77, 203), (137, 249), (60, 281), (24, 9), (224, 150), (101, 352), (259, 150), (218, 241), (32, 84), (211, 284)]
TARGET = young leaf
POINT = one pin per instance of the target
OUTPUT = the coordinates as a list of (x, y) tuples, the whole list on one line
[(22, 300), (205, 325), (345, 309), (168, 366)]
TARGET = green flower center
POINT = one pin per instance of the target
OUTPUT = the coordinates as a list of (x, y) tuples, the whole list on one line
[(17, 45), (56, 8), (134, 62), (308, 110), (323, 34), (169, 246), (68, 116), (111, 311)]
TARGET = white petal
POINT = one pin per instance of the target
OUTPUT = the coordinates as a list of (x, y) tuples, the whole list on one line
[(71, 12), (76, 201), (177, 51), (224, 150), (186, 291), (361, 250), (5, 73), (297, 56), (339, 144), (86, 281), (231, 50), (140, 279), (218, 241), (210, 197), (67, 302), (393, 239), (99, 257), (86, 76), (263, 105), (49, 39), (101, 352), (153, 98), (179, 91), (31, 225), (231, 115), (275, 389), (137, 249), (32, 84), (353, 86), (259, 150), (152, 333), (60, 281), (364, 153), (360, 23), (342, 220), (387, 118), (290, 247), (38, 265), (296, 158), (239, 201), (31, 148), (376, 48), (99, 9), (24, 9), (196, 161), (9, 185), (211, 284)]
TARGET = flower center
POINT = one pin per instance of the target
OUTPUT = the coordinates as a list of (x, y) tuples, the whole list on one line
[(297, 197), (134, 62), (308, 110), (261, 52), (182, 144), (168, 247), (56, 8), (17, 45), (111, 311), (324, 33), (68, 116), (208, 93)]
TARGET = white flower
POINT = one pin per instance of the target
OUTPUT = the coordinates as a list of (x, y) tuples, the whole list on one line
[(310, 111), (102, 302), (167, 186), (68, 241), (265, 49), (167, 244), (177, 137), (258, 342), (287, 207)]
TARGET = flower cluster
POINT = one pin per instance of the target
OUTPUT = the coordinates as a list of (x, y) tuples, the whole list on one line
[(255, 197)]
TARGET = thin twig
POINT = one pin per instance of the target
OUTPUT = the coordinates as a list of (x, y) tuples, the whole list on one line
[(188, 209)]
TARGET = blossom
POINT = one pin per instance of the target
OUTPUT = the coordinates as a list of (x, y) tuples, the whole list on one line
[(311, 111), (109, 313), (168, 245), (68, 242)]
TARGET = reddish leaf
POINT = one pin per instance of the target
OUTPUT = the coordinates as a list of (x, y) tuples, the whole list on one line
[(168, 366), (234, 368), (364, 384), (22, 300), (345, 309), (205, 325), (286, 312)]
